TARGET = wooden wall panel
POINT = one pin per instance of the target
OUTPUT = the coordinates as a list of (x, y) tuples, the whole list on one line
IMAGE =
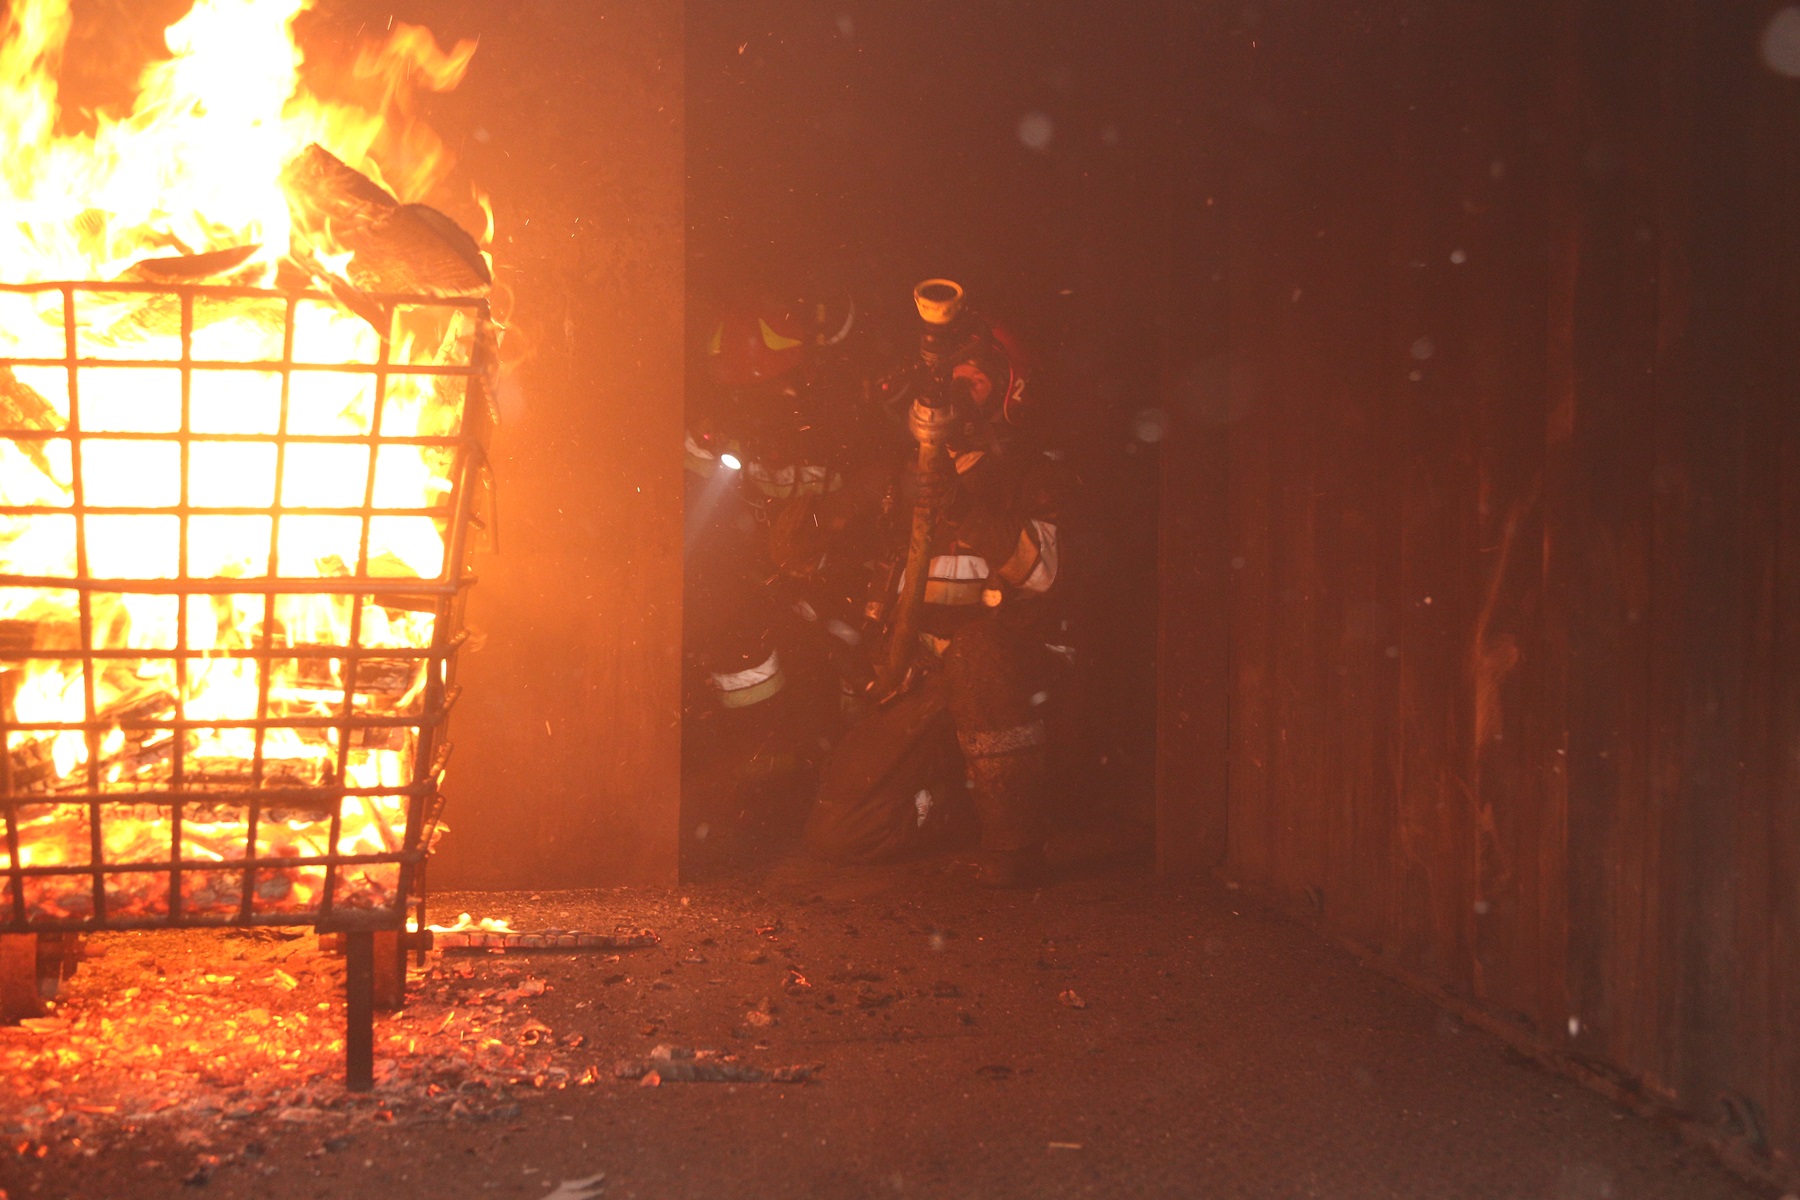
[(1512, 312), (1194, 551)]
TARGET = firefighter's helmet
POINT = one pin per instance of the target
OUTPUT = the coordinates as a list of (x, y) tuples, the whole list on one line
[(754, 344)]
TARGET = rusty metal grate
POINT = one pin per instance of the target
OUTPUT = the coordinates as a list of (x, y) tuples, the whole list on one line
[(205, 838)]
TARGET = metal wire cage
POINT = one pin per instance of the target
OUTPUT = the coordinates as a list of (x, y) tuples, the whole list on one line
[(233, 524)]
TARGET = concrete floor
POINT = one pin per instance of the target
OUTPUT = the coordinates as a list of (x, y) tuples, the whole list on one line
[(1216, 1052)]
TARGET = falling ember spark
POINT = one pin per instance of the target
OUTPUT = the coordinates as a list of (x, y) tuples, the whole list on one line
[(195, 167)]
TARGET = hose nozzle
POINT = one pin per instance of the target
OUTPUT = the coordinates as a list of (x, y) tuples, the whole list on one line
[(939, 301), (930, 423)]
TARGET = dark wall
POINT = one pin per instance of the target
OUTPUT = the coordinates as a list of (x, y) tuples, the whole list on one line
[(1490, 448), (566, 771)]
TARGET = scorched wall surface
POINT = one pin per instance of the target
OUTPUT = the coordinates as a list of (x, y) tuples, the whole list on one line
[(566, 771), (1481, 561)]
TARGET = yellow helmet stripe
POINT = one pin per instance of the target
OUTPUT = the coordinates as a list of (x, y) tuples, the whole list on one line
[(775, 341)]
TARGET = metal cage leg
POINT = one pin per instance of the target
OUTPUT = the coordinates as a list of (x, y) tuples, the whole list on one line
[(359, 1010)]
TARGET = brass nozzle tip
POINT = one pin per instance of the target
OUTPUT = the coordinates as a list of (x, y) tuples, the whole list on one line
[(939, 300)]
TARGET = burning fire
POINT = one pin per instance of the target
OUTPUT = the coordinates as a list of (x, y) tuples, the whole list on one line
[(249, 472)]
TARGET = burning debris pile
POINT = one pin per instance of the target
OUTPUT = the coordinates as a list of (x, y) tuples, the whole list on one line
[(212, 1032), (243, 399), (190, 1049)]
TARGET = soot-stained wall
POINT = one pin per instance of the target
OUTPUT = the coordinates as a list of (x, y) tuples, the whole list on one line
[(1482, 552), (566, 768)]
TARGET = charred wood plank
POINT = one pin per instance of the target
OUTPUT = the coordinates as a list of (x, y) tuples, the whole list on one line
[(394, 247), (23, 408), (678, 1064), (482, 940), (230, 265)]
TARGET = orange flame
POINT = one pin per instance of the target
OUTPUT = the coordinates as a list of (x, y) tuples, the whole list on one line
[(195, 164)]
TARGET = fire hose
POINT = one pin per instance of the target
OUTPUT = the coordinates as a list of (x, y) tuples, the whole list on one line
[(929, 421)]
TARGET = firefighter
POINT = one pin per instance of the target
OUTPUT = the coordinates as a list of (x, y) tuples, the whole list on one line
[(781, 427), (992, 629)]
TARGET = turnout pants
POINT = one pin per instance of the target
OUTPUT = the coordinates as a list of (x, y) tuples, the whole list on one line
[(890, 784)]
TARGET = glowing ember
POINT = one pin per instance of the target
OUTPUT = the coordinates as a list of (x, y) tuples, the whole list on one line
[(464, 923), (182, 471), (235, 1029)]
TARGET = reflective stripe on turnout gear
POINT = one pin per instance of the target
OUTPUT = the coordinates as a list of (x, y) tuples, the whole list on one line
[(1044, 574), (740, 689), (787, 482), (697, 458), (955, 580), (1001, 741), (1032, 567), (958, 580)]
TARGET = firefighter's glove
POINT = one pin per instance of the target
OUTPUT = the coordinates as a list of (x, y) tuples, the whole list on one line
[(884, 691), (796, 540)]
